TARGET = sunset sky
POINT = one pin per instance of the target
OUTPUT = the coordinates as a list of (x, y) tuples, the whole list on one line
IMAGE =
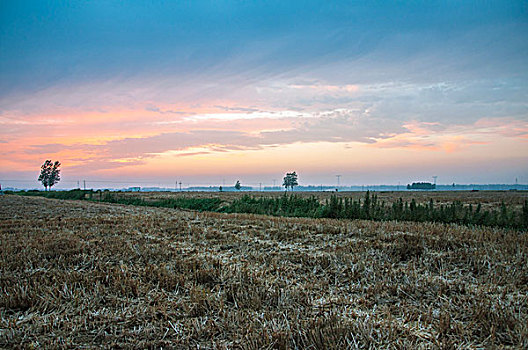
[(203, 92)]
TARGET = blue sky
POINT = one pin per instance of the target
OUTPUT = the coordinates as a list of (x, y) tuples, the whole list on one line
[(47, 42), (445, 78)]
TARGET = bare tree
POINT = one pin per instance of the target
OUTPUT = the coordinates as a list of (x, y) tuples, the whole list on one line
[(49, 174)]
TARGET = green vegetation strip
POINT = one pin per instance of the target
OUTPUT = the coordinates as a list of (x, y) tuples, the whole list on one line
[(370, 208)]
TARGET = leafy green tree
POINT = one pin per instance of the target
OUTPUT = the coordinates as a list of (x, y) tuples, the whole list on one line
[(290, 180), (237, 185), (49, 174)]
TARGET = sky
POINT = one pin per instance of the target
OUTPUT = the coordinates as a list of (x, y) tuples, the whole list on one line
[(210, 92)]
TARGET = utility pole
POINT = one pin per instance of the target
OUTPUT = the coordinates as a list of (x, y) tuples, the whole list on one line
[(78, 185), (84, 183), (176, 186), (434, 182), (338, 177), (180, 186), (260, 186), (274, 183)]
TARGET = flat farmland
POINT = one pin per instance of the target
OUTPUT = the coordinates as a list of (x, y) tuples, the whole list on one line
[(488, 199), (82, 274)]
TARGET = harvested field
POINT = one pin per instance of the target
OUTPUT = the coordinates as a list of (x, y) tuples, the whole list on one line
[(80, 274)]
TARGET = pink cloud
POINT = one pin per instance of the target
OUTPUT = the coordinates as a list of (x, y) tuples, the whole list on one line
[(508, 127), (127, 137)]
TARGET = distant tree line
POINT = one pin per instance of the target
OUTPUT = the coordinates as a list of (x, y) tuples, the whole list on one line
[(421, 186)]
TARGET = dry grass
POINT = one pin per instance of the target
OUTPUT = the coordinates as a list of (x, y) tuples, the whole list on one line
[(76, 274)]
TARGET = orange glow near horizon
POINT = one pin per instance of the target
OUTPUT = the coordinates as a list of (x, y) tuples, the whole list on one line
[(109, 144)]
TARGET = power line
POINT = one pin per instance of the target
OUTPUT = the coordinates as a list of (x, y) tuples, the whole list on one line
[(106, 181)]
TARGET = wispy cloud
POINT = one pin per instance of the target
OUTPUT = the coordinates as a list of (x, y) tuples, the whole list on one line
[(338, 126), (452, 137), (237, 109), (151, 108)]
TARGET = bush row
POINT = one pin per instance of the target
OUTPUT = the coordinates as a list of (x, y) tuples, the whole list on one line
[(370, 208)]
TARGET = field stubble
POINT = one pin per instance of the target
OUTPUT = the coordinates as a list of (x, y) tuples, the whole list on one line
[(83, 274)]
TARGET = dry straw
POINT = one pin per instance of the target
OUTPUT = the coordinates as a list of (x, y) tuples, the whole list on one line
[(88, 275)]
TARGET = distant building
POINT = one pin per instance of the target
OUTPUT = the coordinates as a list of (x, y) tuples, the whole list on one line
[(421, 186), (133, 189)]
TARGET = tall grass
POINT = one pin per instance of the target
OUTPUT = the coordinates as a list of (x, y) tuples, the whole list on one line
[(72, 194), (370, 208), (292, 206), (200, 204)]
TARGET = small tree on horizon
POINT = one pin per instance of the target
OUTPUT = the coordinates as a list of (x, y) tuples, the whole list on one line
[(237, 185), (290, 180), (49, 174)]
